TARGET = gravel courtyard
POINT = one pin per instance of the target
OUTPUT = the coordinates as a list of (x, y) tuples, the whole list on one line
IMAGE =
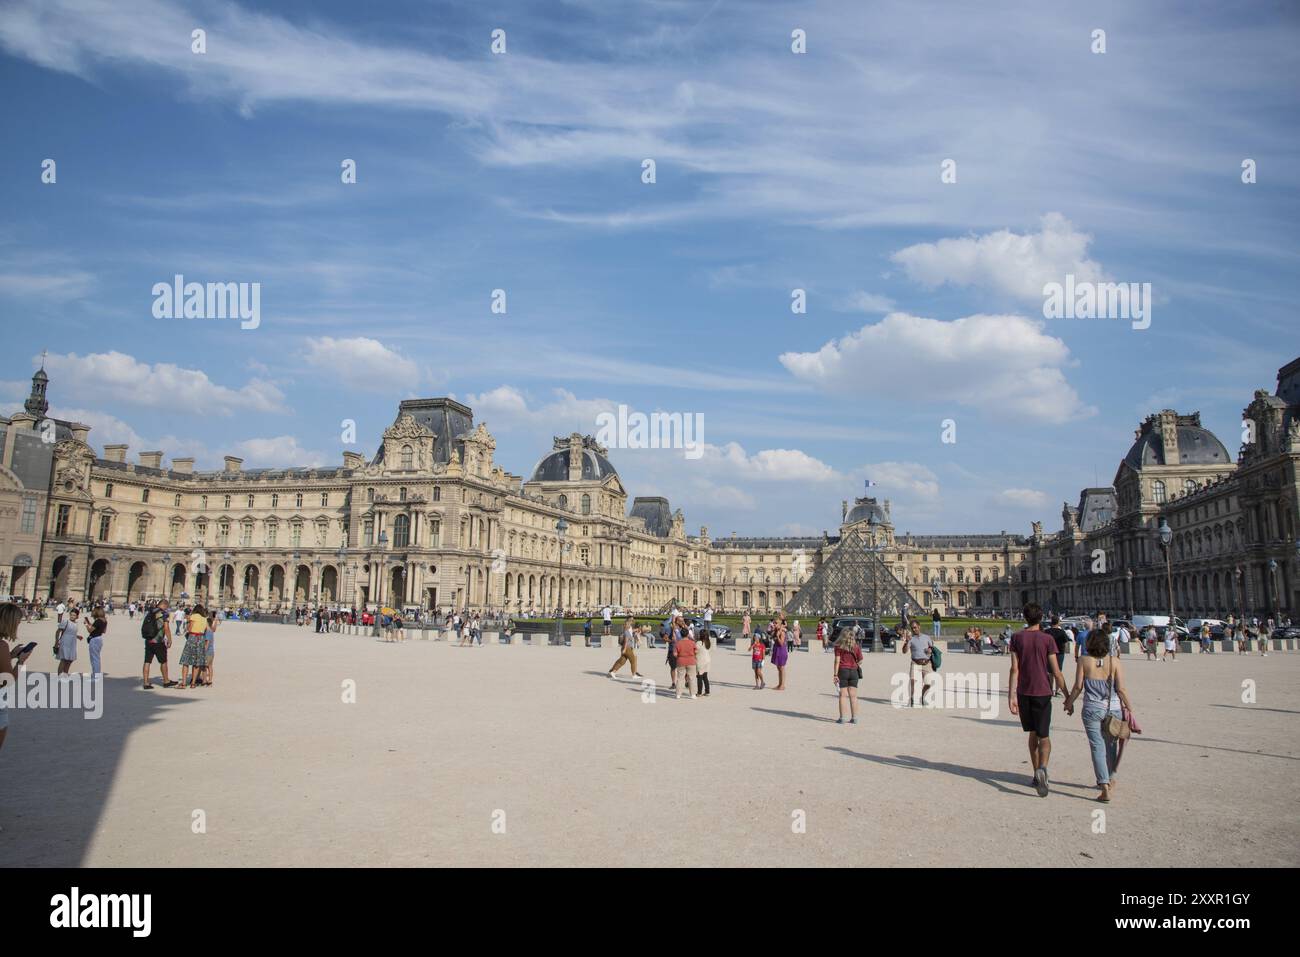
[(518, 756)]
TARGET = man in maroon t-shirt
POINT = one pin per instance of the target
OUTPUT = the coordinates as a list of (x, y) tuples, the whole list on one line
[(1033, 671)]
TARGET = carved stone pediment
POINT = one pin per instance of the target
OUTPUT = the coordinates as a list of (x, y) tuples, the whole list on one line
[(407, 434)]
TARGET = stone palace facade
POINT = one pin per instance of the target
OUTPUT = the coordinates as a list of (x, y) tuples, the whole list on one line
[(431, 521)]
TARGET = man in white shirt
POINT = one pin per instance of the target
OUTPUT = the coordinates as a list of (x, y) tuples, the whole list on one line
[(606, 615), (60, 610)]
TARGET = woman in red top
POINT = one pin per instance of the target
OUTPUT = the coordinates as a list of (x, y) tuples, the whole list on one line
[(848, 657)]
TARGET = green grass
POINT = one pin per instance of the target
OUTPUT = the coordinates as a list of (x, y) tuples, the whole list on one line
[(954, 627)]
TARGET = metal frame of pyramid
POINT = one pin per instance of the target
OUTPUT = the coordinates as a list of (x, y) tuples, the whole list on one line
[(850, 581)]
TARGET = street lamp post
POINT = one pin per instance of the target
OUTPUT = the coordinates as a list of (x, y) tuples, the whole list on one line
[(874, 550), (1166, 541), (1277, 608), (1241, 603), (341, 555), (381, 564), (167, 575), (1128, 577), (561, 529), (226, 558)]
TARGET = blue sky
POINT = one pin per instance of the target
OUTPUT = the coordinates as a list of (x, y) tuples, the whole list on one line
[(775, 171)]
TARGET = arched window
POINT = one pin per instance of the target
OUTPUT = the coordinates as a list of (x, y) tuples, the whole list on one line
[(401, 531), (408, 457), (401, 494), (324, 499), (226, 500), (1158, 492), (586, 504), (108, 490), (1189, 486), (297, 500), (437, 493), (370, 495), (250, 501), (564, 500), (144, 495), (275, 501)]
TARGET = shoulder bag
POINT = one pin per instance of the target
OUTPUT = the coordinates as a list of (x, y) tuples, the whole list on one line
[(1113, 727)]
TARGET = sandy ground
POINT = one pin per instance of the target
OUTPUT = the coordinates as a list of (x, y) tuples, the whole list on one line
[(445, 747)]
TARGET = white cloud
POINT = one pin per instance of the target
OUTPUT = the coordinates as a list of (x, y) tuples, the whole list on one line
[(117, 377), (362, 363), (860, 301), (281, 451), (1004, 365), (1022, 498), (506, 407), (60, 287), (769, 465), (1011, 263), (909, 478)]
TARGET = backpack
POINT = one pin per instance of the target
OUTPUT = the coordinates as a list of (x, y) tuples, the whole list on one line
[(936, 657), (149, 627)]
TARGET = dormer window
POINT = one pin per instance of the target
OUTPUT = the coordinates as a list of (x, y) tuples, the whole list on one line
[(408, 457)]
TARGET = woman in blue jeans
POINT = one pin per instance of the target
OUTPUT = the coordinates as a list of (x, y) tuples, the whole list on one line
[(1100, 679)]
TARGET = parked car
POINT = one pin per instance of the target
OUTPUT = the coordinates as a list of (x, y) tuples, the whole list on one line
[(887, 634), (1194, 625), (1287, 631), (719, 632)]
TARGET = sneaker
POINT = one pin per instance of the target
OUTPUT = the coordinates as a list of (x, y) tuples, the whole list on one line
[(853, 720), (147, 687), (839, 720), (1040, 782), (610, 674), (679, 697)]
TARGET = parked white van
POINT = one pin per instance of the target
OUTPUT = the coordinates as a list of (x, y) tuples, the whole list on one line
[(1161, 622)]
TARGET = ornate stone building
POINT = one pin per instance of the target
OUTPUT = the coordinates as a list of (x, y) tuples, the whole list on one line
[(430, 520), (27, 441), (1235, 545)]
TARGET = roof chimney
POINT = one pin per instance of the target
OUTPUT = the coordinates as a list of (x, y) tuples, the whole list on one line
[(151, 460), (234, 464), (184, 466), (353, 460), (115, 453), (79, 431)]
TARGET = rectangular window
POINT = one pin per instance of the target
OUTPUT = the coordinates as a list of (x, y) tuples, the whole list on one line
[(271, 531), (172, 534), (435, 532), (295, 535), (61, 520), (142, 531), (324, 499), (223, 533), (246, 534), (227, 501), (29, 515), (105, 522), (368, 533)]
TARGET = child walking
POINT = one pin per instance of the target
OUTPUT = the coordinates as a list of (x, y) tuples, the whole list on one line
[(758, 648)]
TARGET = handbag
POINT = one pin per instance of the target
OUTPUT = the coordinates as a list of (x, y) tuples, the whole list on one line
[(1113, 727)]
